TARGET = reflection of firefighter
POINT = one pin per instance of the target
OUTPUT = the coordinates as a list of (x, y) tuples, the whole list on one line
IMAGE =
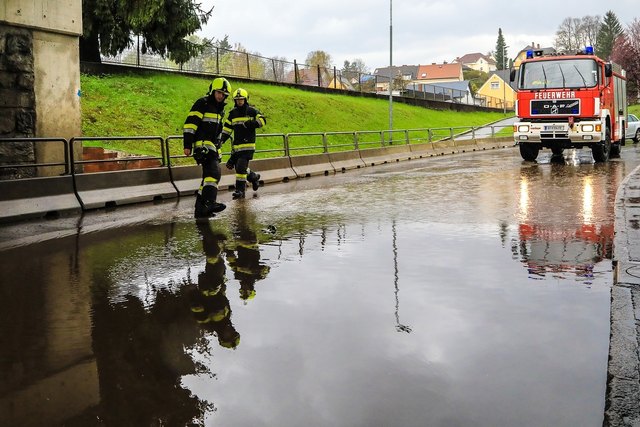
[(243, 255), (210, 305)]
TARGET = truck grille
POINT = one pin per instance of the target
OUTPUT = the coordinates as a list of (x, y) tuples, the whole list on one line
[(555, 107)]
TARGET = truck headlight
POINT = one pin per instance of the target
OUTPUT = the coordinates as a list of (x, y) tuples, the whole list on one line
[(523, 128), (587, 128)]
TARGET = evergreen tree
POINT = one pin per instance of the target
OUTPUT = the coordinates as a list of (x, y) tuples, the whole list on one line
[(502, 62), (609, 31), (110, 26)]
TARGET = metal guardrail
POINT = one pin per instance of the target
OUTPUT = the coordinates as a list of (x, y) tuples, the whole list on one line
[(288, 145)]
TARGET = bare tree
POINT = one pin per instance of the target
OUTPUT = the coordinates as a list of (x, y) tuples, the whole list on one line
[(576, 33)]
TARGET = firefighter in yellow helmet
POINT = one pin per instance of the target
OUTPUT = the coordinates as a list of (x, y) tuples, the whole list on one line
[(201, 133), (243, 255), (210, 305), (242, 122)]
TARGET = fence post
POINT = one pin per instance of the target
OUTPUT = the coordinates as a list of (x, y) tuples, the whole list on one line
[(248, 68), (286, 145), (218, 61), (335, 80), (273, 65), (319, 80), (295, 71)]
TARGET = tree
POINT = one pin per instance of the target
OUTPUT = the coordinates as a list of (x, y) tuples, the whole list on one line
[(501, 47), (574, 34), (110, 26), (319, 58), (626, 52), (610, 30), (353, 70)]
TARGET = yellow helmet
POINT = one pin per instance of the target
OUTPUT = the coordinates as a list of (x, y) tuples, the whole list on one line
[(240, 94), (220, 84)]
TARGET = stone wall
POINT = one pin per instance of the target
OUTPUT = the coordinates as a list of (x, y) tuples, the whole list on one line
[(17, 98)]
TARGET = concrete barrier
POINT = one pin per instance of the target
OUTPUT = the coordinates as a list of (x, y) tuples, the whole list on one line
[(277, 169), (187, 179), (419, 151), (37, 197), (376, 156), (345, 160), (312, 164), (107, 189), (495, 142)]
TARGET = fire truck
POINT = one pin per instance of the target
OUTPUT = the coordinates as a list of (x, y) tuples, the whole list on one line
[(569, 101)]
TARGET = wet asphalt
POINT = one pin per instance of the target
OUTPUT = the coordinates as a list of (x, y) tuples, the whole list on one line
[(469, 290)]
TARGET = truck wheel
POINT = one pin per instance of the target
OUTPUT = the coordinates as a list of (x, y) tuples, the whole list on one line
[(615, 151), (529, 151), (601, 150), (636, 138)]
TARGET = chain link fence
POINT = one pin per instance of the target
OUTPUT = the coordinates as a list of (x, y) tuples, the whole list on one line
[(231, 63)]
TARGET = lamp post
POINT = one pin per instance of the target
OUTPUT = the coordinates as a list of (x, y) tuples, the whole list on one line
[(390, 67), (504, 82)]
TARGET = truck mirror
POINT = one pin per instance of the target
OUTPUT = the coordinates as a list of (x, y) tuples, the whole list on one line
[(608, 71), (512, 75)]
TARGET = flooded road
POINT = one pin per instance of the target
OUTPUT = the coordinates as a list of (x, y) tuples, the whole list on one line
[(467, 290)]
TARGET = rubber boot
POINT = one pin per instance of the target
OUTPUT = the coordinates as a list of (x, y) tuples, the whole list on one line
[(209, 204), (199, 208), (254, 178), (239, 193)]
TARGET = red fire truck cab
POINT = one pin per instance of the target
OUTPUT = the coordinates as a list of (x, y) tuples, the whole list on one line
[(570, 101)]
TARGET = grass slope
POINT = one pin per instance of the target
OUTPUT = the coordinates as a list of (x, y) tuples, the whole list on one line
[(157, 104)]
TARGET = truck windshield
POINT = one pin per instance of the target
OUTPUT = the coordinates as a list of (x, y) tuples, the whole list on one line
[(558, 74)]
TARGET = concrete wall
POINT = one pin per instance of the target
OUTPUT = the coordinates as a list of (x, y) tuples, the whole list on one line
[(40, 73)]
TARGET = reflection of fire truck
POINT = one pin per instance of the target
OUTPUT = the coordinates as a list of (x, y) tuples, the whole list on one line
[(570, 101), (572, 236)]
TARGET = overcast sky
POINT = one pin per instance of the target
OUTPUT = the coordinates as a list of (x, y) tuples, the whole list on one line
[(423, 31)]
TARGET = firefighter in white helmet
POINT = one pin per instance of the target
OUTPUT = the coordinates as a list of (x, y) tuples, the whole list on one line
[(242, 122)]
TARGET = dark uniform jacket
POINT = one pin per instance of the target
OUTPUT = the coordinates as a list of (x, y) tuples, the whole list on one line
[(204, 123), (243, 122)]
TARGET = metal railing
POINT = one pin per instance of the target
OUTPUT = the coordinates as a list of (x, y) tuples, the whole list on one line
[(170, 152)]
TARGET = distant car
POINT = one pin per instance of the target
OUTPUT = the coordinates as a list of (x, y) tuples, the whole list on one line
[(633, 128)]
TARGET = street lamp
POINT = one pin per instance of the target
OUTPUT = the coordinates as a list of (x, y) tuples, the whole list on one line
[(390, 67), (504, 81)]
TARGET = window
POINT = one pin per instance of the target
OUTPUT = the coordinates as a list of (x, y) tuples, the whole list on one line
[(495, 85)]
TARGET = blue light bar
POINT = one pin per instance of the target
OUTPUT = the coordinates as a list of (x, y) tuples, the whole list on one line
[(588, 50), (529, 54)]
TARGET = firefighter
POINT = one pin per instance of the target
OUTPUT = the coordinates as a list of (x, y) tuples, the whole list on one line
[(201, 133), (210, 305), (243, 255), (242, 122)]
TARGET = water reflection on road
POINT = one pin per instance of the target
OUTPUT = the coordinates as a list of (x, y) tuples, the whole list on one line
[(467, 290)]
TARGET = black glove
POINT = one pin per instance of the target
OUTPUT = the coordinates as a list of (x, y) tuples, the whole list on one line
[(218, 143), (200, 153)]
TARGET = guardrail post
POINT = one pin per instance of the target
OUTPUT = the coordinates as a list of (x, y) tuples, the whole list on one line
[(355, 140), (324, 143), (430, 138), (406, 136), (287, 152)]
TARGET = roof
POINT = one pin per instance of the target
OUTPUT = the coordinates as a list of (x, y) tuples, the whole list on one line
[(471, 58), (403, 70), (506, 76), (532, 46), (439, 71)]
